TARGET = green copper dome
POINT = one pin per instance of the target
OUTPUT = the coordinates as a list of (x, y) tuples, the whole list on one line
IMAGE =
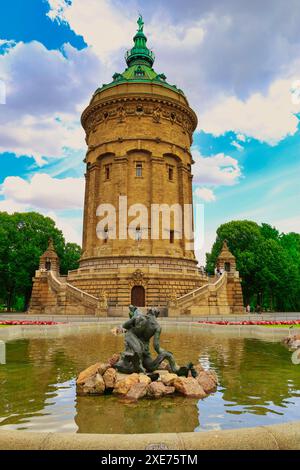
[(139, 60)]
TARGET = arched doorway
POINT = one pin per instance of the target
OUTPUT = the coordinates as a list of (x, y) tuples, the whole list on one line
[(227, 267), (138, 296), (48, 265)]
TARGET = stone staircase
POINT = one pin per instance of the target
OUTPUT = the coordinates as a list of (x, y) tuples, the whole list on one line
[(54, 295), (209, 299)]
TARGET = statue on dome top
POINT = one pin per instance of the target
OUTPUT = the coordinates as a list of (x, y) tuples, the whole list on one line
[(140, 23)]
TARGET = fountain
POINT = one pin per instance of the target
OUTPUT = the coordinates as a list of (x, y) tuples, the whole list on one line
[(135, 374)]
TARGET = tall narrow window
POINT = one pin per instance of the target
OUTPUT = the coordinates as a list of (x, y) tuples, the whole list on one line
[(171, 236), (138, 234), (138, 169), (171, 173), (227, 267), (48, 265), (107, 172), (105, 234)]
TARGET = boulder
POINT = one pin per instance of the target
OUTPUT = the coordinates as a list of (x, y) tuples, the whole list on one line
[(123, 386), (143, 378), (98, 368), (114, 359), (198, 368), (189, 387), (120, 376), (137, 391), (109, 377), (92, 385), (213, 375), (103, 367), (161, 371), (168, 379), (207, 382), (158, 389), (293, 341)]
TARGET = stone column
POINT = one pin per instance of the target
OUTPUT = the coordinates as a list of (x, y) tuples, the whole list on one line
[(157, 197), (92, 203), (85, 211)]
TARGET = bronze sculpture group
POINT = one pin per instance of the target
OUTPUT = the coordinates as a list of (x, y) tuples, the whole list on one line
[(135, 374), (139, 330)]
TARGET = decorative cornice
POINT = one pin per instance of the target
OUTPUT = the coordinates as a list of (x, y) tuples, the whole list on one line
[(120, 113)]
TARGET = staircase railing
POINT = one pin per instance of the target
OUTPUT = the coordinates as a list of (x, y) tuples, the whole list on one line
[(185, 299), (82, 296), (77, 294)]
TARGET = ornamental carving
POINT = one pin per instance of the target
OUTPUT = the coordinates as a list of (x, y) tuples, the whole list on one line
[(172, 117), (121, 113), (102, 299), (137, 279), (139, 110), (156, 114), (153, 107)]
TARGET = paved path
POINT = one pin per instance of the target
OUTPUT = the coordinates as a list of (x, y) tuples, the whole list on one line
[(79, 318)]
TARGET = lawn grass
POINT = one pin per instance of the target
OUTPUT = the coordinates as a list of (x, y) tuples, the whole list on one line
[(4, 326), (281, 326)]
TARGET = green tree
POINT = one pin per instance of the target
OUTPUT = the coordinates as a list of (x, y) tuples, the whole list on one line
[(23, 239), (70, 258), (268, 262)]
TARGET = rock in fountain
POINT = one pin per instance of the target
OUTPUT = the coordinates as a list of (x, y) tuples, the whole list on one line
[(292, 341), (135, 374)]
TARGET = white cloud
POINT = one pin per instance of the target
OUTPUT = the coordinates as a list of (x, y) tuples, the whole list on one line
[(288, 224), (45, 94), (44, 192), (11, 206), (107, 28), (205, 194), (41, 136), (241, 137), (71, 226), (268, 118), (104, 27), (219, 169), (238, 146), (241, 85), (6, 44), (176, 36), (60, 199)]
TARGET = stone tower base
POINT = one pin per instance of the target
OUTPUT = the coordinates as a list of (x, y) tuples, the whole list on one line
[(103, 287), (160, 280)]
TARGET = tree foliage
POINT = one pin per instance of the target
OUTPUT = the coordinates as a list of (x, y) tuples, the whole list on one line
[(23, 239), (268, 262)]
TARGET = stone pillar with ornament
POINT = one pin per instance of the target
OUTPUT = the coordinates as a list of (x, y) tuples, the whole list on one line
[(226, 262), (49, 260), (43, 299)]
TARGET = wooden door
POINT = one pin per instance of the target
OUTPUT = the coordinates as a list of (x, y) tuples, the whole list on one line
[(138, 296)]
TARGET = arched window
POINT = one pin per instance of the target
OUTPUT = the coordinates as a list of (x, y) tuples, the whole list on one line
[(48, 265), (138, 234), (138, 169), (105, 235)]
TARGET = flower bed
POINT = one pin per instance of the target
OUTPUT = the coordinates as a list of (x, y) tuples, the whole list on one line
[(27, 322), (252, 322)]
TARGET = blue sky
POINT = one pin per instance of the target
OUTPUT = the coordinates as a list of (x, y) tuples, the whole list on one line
[(238, 64)]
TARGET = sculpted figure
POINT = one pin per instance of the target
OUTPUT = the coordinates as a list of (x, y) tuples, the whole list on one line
[(121, 114), (157, 114), (140, 329)]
